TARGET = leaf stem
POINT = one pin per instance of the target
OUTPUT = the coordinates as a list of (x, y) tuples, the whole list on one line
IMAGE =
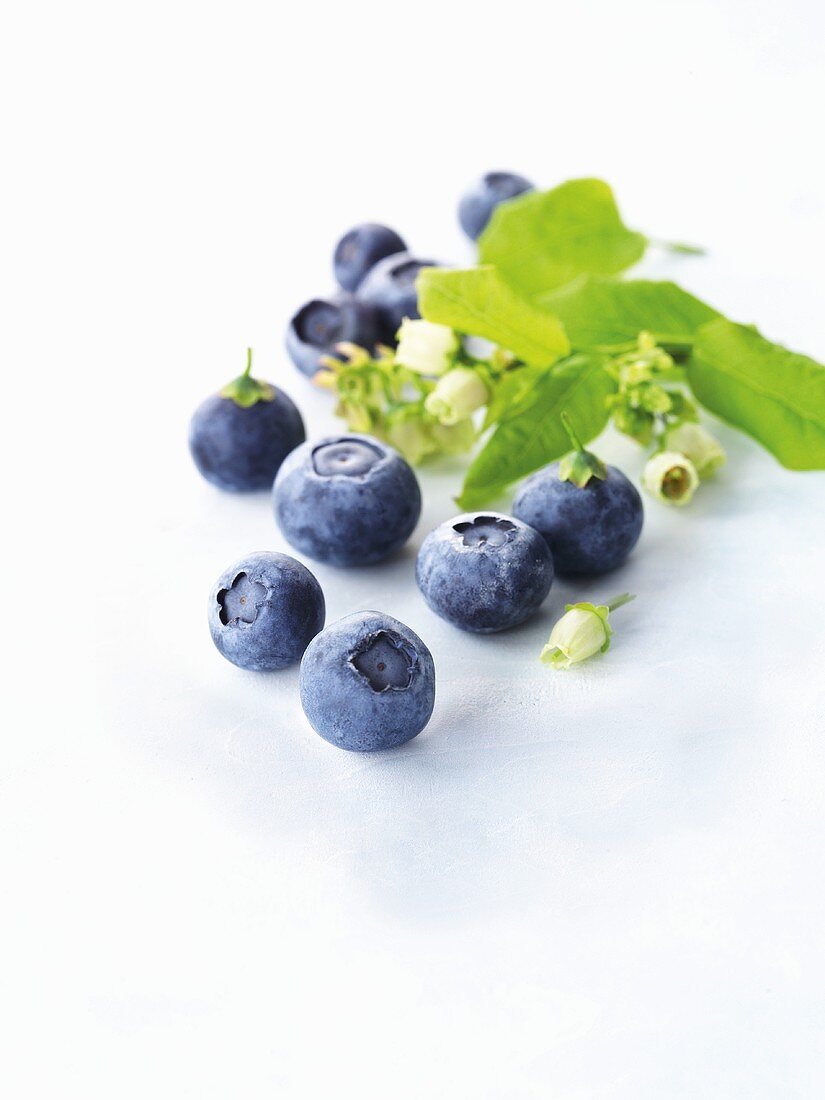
[(247, 372), (681, 345), (619, 601)]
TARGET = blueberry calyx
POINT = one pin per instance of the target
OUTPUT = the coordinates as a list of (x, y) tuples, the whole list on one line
[(246, 390), (240, 602), (384, 661), (345, 458), (580, 465), (490, 531)]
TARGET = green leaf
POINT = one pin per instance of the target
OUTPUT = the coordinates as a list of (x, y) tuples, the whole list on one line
[(532, 434), (476, 301), (543, 239), (602, 312), (509, 390), (775, 395)]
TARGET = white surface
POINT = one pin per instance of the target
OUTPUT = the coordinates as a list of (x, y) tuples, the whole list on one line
[(604, 884)]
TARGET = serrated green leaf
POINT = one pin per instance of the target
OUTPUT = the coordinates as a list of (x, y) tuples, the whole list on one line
[(544, 239), (531, 434), (775, 395), (598, 311), (476, 301)]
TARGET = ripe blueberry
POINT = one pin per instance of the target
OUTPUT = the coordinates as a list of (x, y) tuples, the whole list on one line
[(390, 288), (347, 500), (240, 436), (264, 611), (367, 683), (478, 203), (589, 529), (359, 251), (484, 572), (324, 322)]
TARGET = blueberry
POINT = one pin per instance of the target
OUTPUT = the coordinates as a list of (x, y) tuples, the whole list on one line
[(347, 500), (390, 288), (324, 322), (590, 529), (484, 572), (367, 683), (360, 250), (264, 611), (477, 205), (240, 436)]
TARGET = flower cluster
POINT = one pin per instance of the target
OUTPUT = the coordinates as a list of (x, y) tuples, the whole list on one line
[(649, 398), (688, 454), (420, 397), (651, 406)]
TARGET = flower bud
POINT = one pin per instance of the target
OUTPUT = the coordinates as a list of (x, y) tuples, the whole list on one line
[(582, 631), (634, 422), (671, 477), (457, 395), (652, 397), (696, 443), (425, 347), (326, 378)]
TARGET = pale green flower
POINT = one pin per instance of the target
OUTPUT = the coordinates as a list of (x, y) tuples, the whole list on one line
[(411, 436), (425, 347), (582, 631), (695, 442), (457, 395), (671, 477), (454, 439)]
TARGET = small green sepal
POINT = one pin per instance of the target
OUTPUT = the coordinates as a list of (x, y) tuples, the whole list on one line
[(580, 465), (246, 390)]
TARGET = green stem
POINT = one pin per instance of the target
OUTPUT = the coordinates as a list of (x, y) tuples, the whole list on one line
[(571, 431), (680, 247), (246, 390), (580, 465), (610, 349), (619, 601)]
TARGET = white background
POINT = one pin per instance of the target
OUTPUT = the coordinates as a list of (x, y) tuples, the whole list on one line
[(600, 884)]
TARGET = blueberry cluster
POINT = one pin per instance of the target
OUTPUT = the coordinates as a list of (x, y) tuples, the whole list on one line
[(367, 681), (376, 274)]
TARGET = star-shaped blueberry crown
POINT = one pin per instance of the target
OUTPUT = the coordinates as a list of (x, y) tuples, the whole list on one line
[(485, 530), (241, 602), (385, 661)]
